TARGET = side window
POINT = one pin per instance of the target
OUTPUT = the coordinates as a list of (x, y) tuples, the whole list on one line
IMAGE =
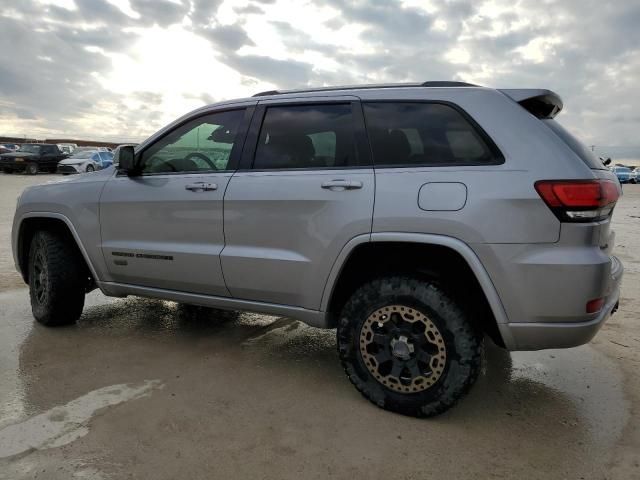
[(408, 133), (203, 144), (306, 136)]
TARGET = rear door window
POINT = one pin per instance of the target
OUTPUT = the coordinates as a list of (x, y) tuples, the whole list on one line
[(306, 136), (581, 150), (420, 133)]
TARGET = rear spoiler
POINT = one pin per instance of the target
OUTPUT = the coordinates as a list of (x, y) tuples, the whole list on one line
[(539, 102)]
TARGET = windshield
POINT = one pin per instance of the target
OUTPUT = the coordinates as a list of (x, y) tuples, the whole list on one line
[(586, 155), (83, 154), (30, 148)]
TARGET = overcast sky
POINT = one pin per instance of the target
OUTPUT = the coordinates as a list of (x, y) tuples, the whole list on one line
[(121, 69)]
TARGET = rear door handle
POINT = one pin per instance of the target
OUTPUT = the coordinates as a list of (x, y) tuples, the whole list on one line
[(201, 187), (340, 184)]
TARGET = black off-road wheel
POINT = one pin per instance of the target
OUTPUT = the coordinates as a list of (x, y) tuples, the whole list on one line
[(7, 170), (407, 347), (31, 168), (57, 280)]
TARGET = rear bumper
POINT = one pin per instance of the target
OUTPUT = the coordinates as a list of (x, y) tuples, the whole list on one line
[(540, 336)]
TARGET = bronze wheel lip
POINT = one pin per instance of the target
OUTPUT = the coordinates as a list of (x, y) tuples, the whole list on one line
[(40, 278), (420, 379)]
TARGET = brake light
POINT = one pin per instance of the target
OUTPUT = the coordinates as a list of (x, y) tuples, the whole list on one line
[(579, 200)]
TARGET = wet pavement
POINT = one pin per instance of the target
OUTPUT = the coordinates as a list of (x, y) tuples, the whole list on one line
[(151, 389)]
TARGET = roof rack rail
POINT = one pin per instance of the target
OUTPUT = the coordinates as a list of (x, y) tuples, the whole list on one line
[(440, 83), (433, 83)]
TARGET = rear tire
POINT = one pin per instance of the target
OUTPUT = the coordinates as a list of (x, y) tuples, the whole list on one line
[(57, 280), (407, 347), (7, 170)]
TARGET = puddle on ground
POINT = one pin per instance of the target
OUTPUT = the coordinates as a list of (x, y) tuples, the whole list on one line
[(578, 390), (64, 424)]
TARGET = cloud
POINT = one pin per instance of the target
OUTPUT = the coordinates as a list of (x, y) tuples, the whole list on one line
[(50, 72), (226, 37), (160, 12), (61, 59), (248, 9), (291, 73)]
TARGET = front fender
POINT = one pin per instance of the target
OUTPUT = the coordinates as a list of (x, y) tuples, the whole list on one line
[(17, 231), (74, 202)]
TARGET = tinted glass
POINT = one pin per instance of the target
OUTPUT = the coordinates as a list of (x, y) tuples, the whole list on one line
[(407, 133), (306, 136), (586, 155), (30, 148), (204, 144), (85, 154)]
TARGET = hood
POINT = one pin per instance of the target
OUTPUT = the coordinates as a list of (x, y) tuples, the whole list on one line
[(73, 161), (97, 177)]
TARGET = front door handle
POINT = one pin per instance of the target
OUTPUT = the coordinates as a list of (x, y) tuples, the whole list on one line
[(201, 187), (341, 184)]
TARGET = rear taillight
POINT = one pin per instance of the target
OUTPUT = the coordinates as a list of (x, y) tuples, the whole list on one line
[(595, 305), (579, 200)]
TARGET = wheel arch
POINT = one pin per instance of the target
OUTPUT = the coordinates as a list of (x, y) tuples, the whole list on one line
[(341, 276), (33, 222)]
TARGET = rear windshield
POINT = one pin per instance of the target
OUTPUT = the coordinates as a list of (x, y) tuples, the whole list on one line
[(581, 150)]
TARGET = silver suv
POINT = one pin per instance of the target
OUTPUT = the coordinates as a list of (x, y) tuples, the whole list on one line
[(416, 219)]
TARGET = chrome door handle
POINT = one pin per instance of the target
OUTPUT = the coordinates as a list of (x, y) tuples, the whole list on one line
[(201, 187), (340, 184)]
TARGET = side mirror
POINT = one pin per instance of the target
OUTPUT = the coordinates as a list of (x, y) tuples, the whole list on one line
[(126, 160)]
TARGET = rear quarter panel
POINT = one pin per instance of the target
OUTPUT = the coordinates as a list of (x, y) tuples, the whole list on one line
[(502, 204)]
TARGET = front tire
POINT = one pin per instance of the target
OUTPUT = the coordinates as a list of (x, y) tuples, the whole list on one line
[(57, 280), (32, 169), (407, 347), (90, 168)]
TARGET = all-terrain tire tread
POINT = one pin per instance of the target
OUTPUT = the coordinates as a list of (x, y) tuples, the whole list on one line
[(468, 344), (66, 280)]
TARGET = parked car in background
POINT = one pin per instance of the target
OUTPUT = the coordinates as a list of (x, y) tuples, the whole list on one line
[(106, 159), (116, 151), (635, 173), (86, 149), (623, 173), (32, 158), (94, 148), (68, 148), (14, 147), (81, 162), (4, 150)]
